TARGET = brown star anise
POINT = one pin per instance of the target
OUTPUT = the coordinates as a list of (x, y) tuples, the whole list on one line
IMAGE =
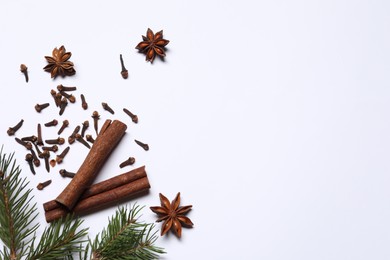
[(152, 44), (59, 64), (172, 214)]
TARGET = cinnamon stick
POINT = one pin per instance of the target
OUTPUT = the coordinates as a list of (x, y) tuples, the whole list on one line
[(102, 200), (105, 143), (104, 186)]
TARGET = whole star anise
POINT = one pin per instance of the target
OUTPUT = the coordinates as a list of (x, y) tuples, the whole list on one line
[(59, 64), (172, 214), (152, 44)]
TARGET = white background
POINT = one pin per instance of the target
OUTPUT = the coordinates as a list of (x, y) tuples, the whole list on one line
[(270, 117)]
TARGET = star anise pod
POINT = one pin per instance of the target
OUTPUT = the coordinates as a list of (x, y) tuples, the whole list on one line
[(152, 44), (172, 215), (59, 64)]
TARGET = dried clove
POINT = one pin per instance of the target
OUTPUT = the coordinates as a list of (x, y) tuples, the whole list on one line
[(133, 117), (32, 138), (144, 146), (71, 98), (62, 155), (72, 137), (85, 127), (90, 138), (129, 161), (53, 148), (12, 130), (54, 122), (65, 173), (42, 185), (39, 137), (58, 99), (95, 116), (36, 161), (59, 140), (29, 158), (107, 108), (23, 69), (65, 124), (64, 103), (62, 88), (40, 107), (38, 151), (124, 72), (27, 145), (84, 104), (81, 140), (46, 155), (54, 95)]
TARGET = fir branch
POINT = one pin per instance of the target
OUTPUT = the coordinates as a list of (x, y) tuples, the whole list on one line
[(125, 238), (59, 241), (16, 213)]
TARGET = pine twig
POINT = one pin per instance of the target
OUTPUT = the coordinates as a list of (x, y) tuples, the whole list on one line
[(59, 241), (16, 213), (125, 238)]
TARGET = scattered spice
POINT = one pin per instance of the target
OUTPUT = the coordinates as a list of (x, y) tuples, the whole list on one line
[(40, 107), (13, 130), (59, 140), (107, 108), (70, 97), (85, 127), (124, 72), (65, 124), (62, 88), (29, 158), (133, 117), (59, 64), (39, 136), (42, 185), (63, 104), (80, 139), (54, 122), (172, 215), (46, 156), (62, 155), (32, 138), (27, 145), (23, 69), (53, 148), (72, 137), (90, 138), (53, 93), (129, 161), (36, 161), (84, 104), (95, 116), (152, 44), (143, 145), (65, 173)]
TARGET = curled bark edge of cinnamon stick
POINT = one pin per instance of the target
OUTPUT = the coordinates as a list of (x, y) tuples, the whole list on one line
[(102, 200), (103, 186)]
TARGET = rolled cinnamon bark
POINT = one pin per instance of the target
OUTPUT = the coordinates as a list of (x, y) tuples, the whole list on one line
[(104, 144), (102, 200), (104, 186)]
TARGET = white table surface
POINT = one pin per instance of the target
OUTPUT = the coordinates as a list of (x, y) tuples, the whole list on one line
[(272, 118)]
